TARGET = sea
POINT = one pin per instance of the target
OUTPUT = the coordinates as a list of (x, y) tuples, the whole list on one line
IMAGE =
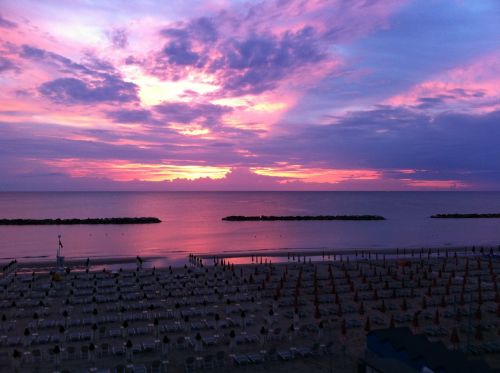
[(191, 222)]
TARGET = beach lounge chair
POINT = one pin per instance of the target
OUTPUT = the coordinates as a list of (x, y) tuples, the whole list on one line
[(241, 359), (255, 358), (208, 362), (220, 359), (189, 364), (139, 368), (156, 367), (285, 355)]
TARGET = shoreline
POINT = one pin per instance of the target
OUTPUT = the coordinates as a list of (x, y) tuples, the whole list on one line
[(280, 254), (350, 252)]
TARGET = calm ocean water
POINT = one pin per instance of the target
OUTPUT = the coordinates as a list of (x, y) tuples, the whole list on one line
[(192, 222)]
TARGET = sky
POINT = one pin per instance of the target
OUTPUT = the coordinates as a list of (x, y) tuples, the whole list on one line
[(238, 95)]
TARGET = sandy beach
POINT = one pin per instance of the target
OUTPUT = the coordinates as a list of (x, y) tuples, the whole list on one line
[(215, 316)]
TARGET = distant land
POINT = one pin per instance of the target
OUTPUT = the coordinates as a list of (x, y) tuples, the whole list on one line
[(306, 217), (140, 220), (465, 216)]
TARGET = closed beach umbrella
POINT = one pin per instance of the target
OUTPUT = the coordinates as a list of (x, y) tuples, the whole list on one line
[(317, 313), (243, 315), (479, 333), (27, 339), (424, 303), (271, 316), (94, 329), (367, 324), (361, 309), (130, 352), (62, 332), (165, 345), (65, 315), (296, 316), (91, 352), (383, 308), (217, 318), (232, 336), (16, 357), (35, 320), (436, 318), (454, 339), (263, 333), (404, 305), (415, 322), (156, 324), (125, 328), (57, 355), (478, 314), (392, 323), (321, 326), (291, 332), (199, 344)]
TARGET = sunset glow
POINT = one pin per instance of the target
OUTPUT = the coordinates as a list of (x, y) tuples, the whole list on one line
[(397, 94), (317, 175), (122, 171)]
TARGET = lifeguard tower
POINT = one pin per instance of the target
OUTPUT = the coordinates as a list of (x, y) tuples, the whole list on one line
[(59, 257)]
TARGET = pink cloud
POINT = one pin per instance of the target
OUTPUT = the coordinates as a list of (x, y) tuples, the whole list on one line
[(474, 87)]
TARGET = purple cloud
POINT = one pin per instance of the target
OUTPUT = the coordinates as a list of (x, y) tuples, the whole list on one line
[(183, 112), (5, 23), (75, 91), (452, 146), (6, 64), (200, 29), (178, 52), (65, 65), (258, 63), (249, 63), (129, 116), (93, 81), (179, 49), (118, 38)]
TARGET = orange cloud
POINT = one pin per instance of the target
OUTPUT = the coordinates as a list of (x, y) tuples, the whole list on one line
[(120, 170), (294, 172)]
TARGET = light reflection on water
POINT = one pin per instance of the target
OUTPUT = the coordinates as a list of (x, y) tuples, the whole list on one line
[(192, 222)]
